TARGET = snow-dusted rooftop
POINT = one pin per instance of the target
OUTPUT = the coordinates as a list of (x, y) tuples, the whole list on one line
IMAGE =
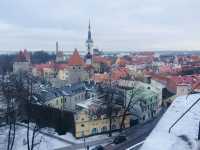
[(87, 103), (184, 134)]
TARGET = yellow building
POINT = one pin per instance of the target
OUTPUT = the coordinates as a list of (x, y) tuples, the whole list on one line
[(43, 70), (88, 120), (63, 74)]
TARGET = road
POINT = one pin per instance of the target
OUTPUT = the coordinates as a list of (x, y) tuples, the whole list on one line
[(137, 133)]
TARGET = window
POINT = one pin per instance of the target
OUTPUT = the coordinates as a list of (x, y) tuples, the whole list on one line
[(82, 125), (94, 130), (104, 129)]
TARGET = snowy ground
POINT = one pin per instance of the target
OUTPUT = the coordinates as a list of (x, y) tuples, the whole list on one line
[(41, 143), (183, 135), (71, 138)]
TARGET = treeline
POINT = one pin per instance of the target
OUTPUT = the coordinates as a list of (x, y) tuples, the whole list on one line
[(7, 60), (61, 121), (39, 57)]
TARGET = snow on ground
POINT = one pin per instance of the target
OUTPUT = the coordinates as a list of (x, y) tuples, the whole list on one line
[(42, 142), (183, 135), (71, 138), (92, 147)]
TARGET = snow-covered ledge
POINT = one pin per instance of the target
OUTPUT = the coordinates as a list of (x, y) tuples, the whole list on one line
[(184, 135)]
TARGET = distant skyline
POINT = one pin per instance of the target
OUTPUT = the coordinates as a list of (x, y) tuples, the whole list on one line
[(116, 25)]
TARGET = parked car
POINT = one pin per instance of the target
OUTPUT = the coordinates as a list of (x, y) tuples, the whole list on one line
[(99, 147), (119, 139)]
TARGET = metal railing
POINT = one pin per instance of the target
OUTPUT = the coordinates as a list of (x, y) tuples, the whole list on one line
[(183, 114)]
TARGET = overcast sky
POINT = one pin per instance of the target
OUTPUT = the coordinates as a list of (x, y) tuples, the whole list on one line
[(116, 24)]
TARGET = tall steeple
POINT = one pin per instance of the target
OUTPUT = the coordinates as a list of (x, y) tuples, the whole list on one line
[(57, 48), (89, 44), (59, 54), (89, 41)]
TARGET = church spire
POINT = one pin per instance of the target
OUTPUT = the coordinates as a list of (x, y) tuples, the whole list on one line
[(89, 25), (57, 47), (89, 41), (89, 44)]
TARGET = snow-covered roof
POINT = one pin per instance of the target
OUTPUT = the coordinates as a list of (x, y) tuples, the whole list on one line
[(87, 104), (184, 134)]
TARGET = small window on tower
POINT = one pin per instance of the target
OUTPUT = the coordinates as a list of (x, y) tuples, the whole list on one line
[(79, 67)]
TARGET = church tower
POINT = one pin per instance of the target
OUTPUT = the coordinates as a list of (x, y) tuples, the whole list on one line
[(59, 54), (89, 44)]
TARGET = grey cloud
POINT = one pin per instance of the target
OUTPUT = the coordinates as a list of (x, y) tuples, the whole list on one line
[(121, 24)]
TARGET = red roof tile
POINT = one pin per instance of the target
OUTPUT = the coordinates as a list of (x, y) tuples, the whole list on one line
[(100, 77), (119, 73), (75, 59), (100, 59), (120, 61)]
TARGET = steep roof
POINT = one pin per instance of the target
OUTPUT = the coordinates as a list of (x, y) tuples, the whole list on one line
[(75, 59), (23, 55)]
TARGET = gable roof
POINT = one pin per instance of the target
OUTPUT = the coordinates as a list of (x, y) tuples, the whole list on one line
[(75, 59)]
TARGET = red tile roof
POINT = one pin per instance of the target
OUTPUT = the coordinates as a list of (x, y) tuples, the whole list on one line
[(119, 73), (178, 80), (100, 77), (100, 59), (161, 79), (139, 60), (88, 67), (120, 61), (50, 65), (23, 55), (75, 59)]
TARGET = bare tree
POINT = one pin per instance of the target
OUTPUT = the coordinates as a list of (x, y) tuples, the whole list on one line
[(126, 108), (28, 100), (110, 92), (11, 114), (18, 91)]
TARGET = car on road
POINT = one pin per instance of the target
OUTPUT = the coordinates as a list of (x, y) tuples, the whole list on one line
[(99, 147), (119, 139)]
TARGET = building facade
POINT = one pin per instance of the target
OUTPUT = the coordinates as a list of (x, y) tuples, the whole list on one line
[(91, 118)]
